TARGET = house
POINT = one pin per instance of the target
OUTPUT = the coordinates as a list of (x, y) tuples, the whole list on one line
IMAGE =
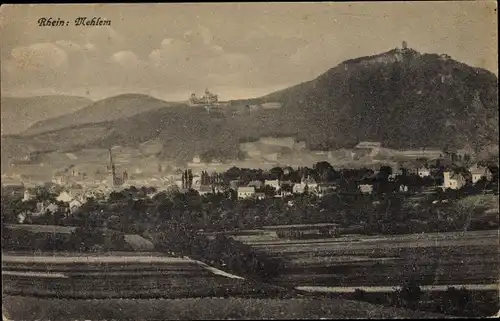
[(403, 188), (256, 184), (74, 205), (311, 184), (65, 196), (366, 188), (204, 190), (271, 105), (246, 192), (326, 188), (196, 159), (42, 208), (283, 193), (300, 188), (396, 171), (364, 149), (478, 172), (60, 179), (423, 172), (253, 107), (273, 183), (260, 195), (412, 171), (29, 194), (453, 180), (196, 182), (13, 189)]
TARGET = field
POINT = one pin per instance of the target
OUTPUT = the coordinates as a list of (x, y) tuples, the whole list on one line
[(120, 276), (23, 308), (155, 287), (470, 257)]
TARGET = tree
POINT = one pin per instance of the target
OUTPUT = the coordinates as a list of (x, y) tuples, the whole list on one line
[(11, 207), (324, 171), (269, 191), (410, 293), (457, 302), (85, 238), (276, 173), (232, 174)]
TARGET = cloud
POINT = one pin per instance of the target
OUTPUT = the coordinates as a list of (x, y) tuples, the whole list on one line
[(196, 53), (190, 53), (39, 56), (126, 59), (89, 47), (68, 46), (104, 39)]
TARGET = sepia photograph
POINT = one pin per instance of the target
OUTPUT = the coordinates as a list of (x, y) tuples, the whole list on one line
[(238, 161)]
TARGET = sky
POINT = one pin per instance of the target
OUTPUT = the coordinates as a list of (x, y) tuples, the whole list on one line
[(237, 50)]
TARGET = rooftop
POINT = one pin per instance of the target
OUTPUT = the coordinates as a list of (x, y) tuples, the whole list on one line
[(246, 189), (368, 145)]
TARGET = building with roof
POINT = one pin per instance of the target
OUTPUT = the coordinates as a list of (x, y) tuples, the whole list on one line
[(204, 190), (29, 194), (479, 172), (453, 180), (423, 172), (366, 149), (256, 184), (273, 183), (12, 188), (366, 188), (260, 195), (300, 188), (246, 192), (311, 183)]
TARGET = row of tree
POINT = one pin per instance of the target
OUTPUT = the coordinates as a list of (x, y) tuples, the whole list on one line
[(454, 301)]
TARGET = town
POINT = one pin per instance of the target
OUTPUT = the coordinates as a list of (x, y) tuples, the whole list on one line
[(454, 175)]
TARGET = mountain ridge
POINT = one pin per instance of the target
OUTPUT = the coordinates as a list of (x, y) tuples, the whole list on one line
[(401, 98), (19, 113), (120, 106)]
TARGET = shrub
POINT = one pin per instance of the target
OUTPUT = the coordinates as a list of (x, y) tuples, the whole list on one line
[(86, 239), (222, 252), (409, 295), (457, 302), (359, 295)]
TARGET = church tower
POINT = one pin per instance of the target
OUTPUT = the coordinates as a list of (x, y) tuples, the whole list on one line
[(114, 179)]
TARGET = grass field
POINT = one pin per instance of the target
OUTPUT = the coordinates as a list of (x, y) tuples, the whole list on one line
[(121, 276), (22, 308), (470, 257)]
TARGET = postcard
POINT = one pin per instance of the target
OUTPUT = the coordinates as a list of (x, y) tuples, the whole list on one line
[(201, 161)]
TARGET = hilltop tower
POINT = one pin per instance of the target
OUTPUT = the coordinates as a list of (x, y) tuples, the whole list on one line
[(405, 45)]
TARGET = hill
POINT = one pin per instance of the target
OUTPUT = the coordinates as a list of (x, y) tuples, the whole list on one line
[(103, 110), (18, 114), (400, 98), (184, 131)]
